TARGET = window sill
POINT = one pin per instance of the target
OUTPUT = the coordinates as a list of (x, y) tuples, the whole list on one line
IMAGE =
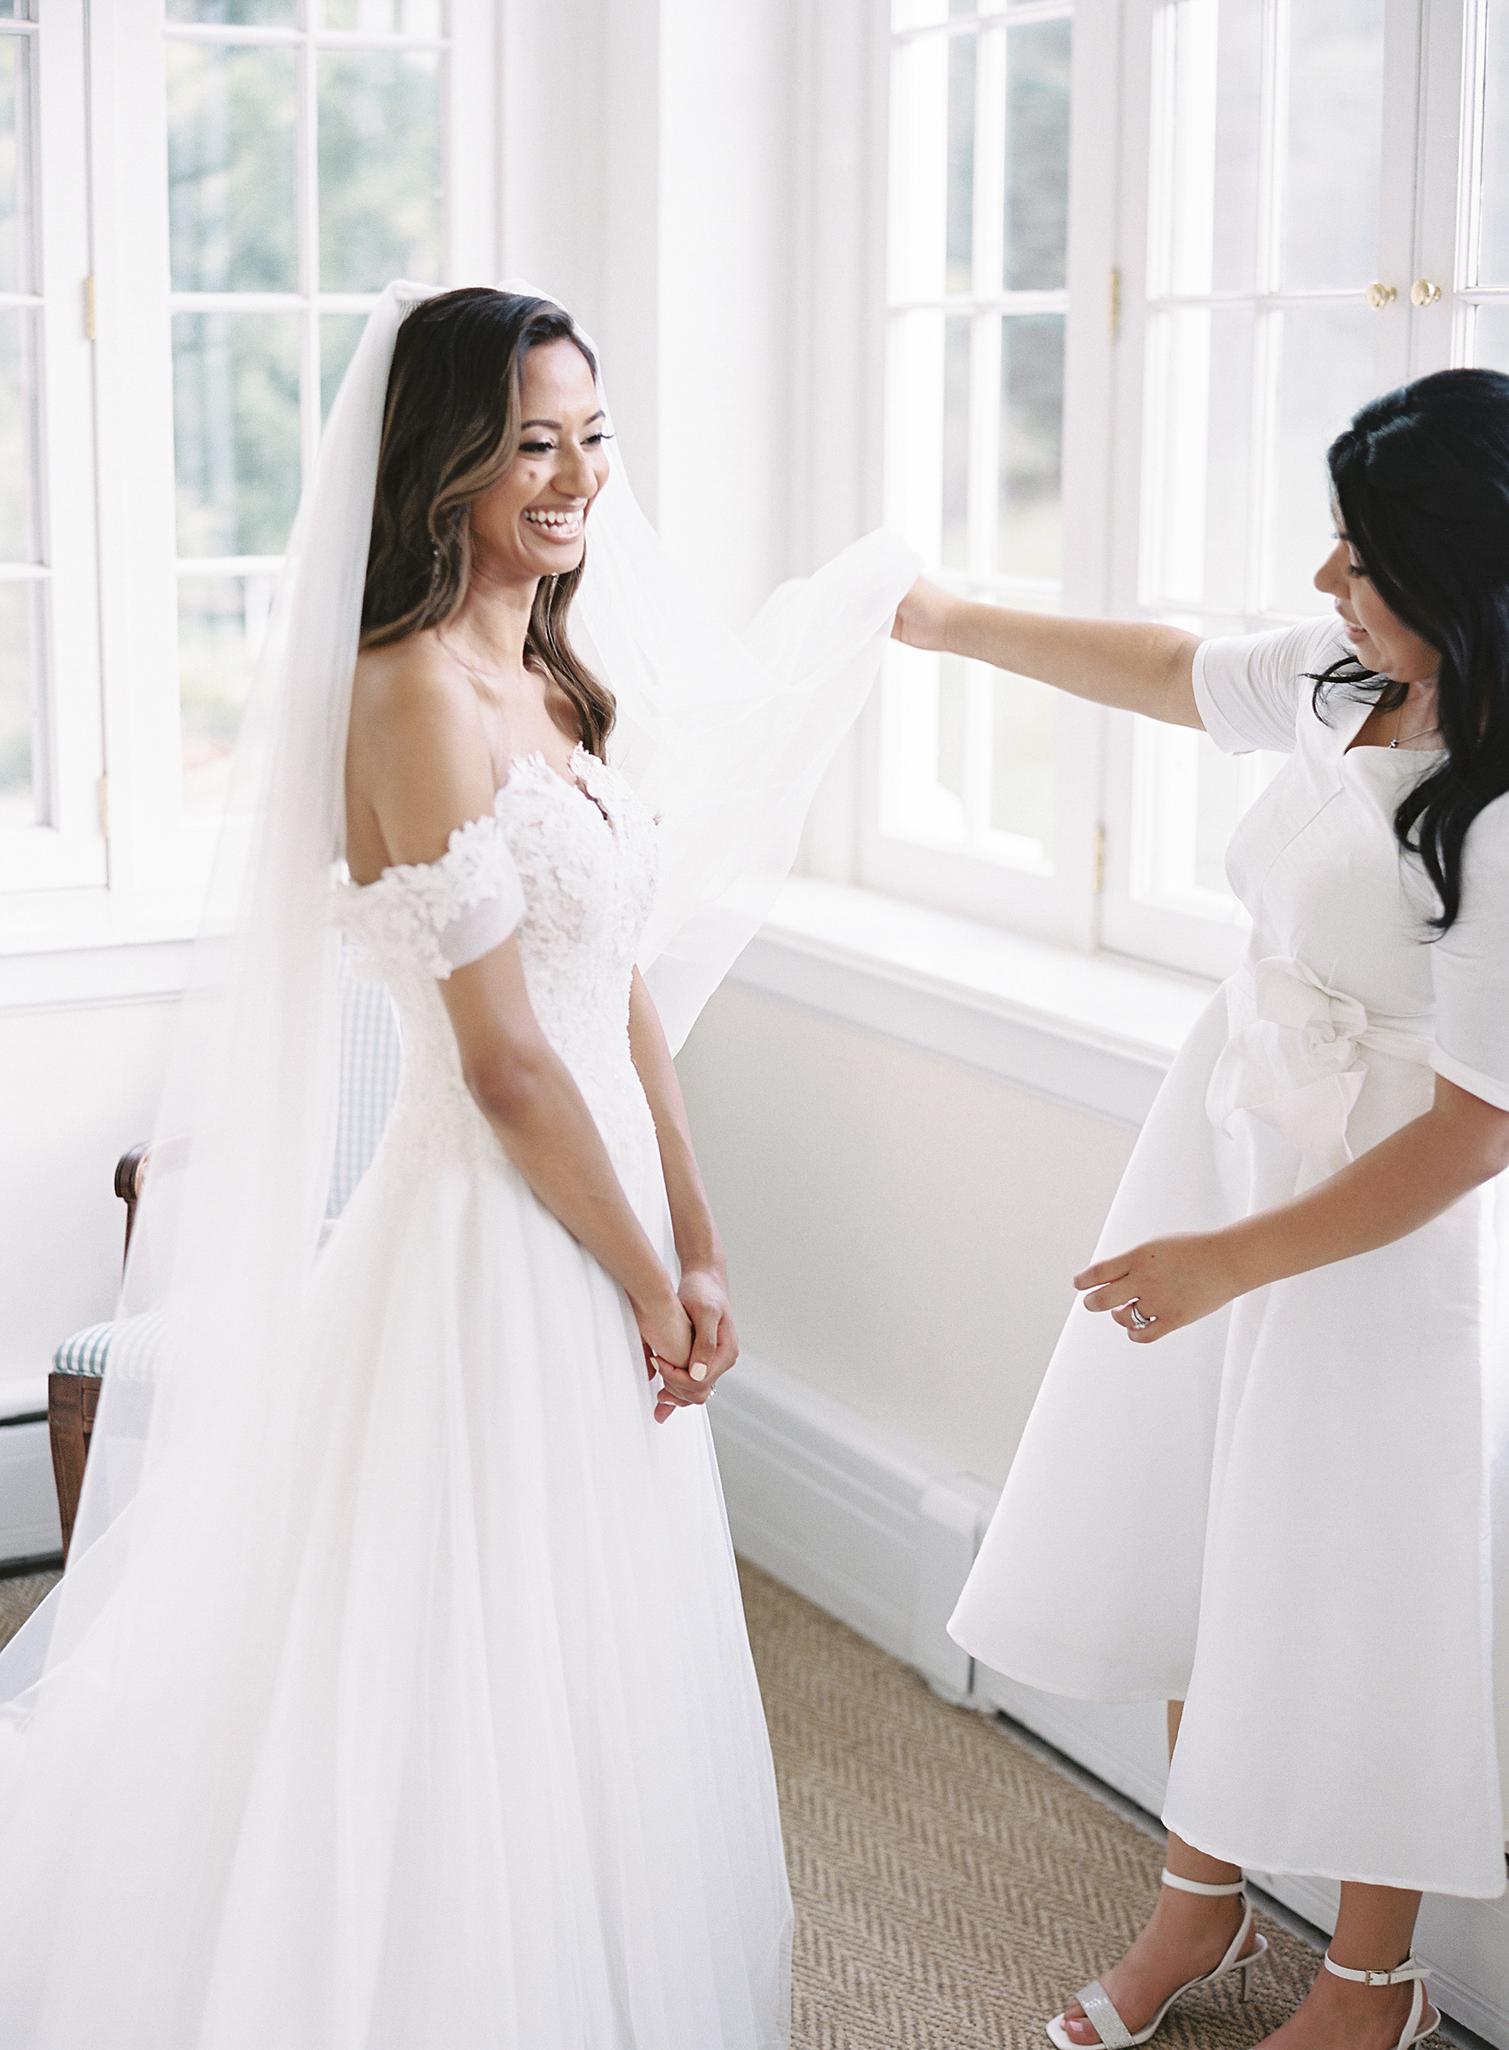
[(1092, 1030), (67, 950)]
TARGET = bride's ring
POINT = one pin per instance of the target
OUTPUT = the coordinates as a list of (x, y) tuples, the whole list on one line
[(1140, 1321)]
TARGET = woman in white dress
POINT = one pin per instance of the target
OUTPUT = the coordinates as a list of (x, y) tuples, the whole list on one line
[(1276, 1507), (398, 1697)]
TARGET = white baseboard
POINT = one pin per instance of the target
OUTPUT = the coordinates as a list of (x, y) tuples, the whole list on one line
[(862, 1527), (28, 1499)]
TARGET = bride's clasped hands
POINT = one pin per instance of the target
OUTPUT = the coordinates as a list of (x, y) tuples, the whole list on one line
[(689, 1340)]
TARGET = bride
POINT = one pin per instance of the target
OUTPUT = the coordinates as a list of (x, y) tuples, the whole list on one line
[(397, 1695)]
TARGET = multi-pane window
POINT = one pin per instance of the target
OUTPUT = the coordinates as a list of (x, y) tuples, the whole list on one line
[(199, 205), (976, 309), (49, 738), (1305, 208), (1266, 224), (305, 169)]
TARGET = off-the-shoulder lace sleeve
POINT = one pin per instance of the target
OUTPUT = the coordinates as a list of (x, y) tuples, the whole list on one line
[(458, 907)]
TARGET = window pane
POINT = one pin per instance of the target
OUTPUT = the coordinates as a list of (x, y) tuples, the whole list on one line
[(1024, 735), (232, 168), (953, 549), (1197, 458), (16, 266), (963, 57), (932, 166), (235, 431), (386, 17), (928, 433), (20, 688), (339, 335), (1210, 130), (1490, 344), (1029, 534), (1188, 799), (238, 13), (1325, 372), (19, 540), (380, 199), (953, 727), (1334, 142), (1493, 232), (1219, 802), (221, 621), (925, 724), (1037, 156)]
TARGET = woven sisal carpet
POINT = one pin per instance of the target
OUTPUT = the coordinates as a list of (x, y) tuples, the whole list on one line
[(952, 1886)]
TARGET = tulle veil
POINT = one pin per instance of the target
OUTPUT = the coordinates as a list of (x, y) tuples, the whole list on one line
[(725, 735)]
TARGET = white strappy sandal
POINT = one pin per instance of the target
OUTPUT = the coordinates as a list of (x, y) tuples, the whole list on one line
[(1416, 2029), (1100, 2010)]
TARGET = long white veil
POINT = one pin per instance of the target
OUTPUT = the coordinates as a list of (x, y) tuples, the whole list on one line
[(726, 736)]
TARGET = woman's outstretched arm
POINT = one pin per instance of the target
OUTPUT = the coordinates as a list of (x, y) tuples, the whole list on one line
[(1132, 665)]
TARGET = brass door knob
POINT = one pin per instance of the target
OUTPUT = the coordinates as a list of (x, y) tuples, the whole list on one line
[(1380, 295), (1424, 292)]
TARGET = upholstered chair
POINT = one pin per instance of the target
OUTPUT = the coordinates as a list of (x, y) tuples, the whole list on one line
[(369, 1078)]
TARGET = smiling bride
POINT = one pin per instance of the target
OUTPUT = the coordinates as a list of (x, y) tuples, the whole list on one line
[(397, 1695)]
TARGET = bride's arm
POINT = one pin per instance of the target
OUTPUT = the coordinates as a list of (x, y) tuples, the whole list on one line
[(704, 1275), (421, 764), (1133, 665)]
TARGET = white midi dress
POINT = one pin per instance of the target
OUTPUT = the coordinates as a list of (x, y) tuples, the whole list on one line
[(1291, 1515)]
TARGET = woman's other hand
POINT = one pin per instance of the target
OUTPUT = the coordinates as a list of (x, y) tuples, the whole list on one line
[(1165, 1284)]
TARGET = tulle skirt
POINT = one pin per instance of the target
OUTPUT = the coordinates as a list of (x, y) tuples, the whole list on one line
[(427, 1720)]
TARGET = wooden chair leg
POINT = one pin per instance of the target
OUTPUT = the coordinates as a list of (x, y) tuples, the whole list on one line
[(71, 1403)]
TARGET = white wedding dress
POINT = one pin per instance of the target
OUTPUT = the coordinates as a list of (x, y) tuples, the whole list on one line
[(469, 1754)]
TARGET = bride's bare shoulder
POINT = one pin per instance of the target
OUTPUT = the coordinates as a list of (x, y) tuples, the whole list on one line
[(410, 692)]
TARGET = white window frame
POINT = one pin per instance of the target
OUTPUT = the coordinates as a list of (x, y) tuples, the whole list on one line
[(1092, 903), (1013, 886), (157, 862), (67, 850), (1201, 934)]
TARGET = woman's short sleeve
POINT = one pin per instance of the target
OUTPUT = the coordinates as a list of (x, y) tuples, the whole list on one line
[(1470, 966), (1252, 688), (463, 904)]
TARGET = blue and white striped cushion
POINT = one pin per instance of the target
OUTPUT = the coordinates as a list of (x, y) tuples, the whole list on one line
[(86, 1352), (129, 1343), (369, 1080)]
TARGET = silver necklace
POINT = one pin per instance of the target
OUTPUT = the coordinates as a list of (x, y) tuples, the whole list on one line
[(493, 676), (1420, 733)]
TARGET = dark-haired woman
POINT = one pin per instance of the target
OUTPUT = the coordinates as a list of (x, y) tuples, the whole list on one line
[(1261, 1488)]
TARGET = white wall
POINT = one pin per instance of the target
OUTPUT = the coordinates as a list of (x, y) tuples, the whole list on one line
[(78, 1085), (901, 1228)]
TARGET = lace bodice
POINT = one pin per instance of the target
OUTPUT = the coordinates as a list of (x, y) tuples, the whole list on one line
[(570, 866)]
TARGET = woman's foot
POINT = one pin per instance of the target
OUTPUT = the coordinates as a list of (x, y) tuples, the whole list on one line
[(1337, 2015), (1186, 1936)]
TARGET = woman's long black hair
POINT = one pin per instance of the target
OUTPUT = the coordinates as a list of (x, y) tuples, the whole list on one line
[(1421, 478)]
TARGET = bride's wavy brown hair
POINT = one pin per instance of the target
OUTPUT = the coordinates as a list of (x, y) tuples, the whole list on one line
[(450, 430)]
